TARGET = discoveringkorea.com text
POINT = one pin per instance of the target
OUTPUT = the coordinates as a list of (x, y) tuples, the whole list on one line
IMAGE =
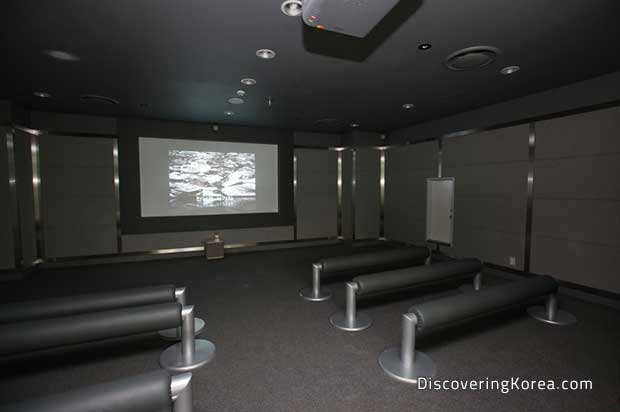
[(504, 385)]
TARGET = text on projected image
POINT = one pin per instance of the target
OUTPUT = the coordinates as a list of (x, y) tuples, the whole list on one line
[(199, 180)]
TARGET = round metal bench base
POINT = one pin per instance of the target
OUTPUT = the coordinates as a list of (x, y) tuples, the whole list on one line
[(423, 367)]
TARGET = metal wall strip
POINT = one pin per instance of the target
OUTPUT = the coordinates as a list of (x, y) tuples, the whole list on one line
[(37, 196), (15, 213), (530, 198), (294, 195), (339, 196), (440, 157), (353, 190), (117, 198), (382, 195)]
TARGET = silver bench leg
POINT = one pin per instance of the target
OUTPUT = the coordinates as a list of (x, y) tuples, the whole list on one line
[(550, 312), (475, 286), (175, 333), (405, 363), (181, 391), (350, 320), (316, 293), (190, 353)]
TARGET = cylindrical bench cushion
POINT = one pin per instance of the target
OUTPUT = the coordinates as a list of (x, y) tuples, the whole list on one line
[(454, 308), (67, 330), (375, 259), (143, 393), (401, 278), (73, 305)]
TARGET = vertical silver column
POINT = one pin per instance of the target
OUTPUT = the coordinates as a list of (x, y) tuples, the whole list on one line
[(339, 194), (117, 197), (353, 190), (405, 363), (382, 195), (549, 313), (350, 320), (176, 333), (478, 281), (190, 353), (16, 213), (530, 198), (37, 197), (181, 393), (316, 293), (294, 195)]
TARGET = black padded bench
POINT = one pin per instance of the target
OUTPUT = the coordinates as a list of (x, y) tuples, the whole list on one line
[(151, 392), (406, 364), (362, 263), (385, 282), (96, 302), (23, 337)]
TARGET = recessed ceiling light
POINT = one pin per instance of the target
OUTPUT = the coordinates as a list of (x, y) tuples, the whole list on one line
[(62, 55), (236, 100), (408, 106), (510, 70), (229, 113), (292, 8), (265, 54), (42, 95), (424, 46), (240, 93), (354, 125), (248, 81)]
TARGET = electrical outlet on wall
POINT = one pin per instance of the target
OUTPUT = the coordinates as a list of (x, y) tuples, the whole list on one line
[(512, 260)]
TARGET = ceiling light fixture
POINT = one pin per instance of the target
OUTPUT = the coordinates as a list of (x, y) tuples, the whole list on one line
[(236, 100), (354, 125), (42, 95), (292, 8), (266, 54), (424, 46), (510, 70), (240, 93), (229, 113), (408, 106), (248, 81), (62, 55), (98, 99)]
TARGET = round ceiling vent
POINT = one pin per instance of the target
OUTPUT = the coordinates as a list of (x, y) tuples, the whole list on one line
[(472, 58)]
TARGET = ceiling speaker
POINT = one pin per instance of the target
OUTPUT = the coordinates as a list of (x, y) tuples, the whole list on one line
[(472, 58)]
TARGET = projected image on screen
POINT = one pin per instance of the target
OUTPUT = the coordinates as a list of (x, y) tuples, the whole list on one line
[(181, 177), (212, 179)]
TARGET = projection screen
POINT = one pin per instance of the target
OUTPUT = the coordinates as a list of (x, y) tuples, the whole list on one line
[(198, 177)]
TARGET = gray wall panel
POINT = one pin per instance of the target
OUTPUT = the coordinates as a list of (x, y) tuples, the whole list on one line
[(367, 196), (592, 221), (157, 241), (79, 205), (406, 171), (576, 227), (579, 135), (490, 171), (588, 177), (79, 239), (316, 193), (7, 254), (495, 146), (592, 265)]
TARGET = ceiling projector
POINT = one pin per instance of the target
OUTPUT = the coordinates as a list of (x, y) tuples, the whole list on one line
[(351, 17)]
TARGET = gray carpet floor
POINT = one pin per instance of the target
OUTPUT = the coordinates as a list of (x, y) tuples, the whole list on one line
[(277, 352)]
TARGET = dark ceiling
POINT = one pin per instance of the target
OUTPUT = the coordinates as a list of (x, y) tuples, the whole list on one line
[(185, 58)]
